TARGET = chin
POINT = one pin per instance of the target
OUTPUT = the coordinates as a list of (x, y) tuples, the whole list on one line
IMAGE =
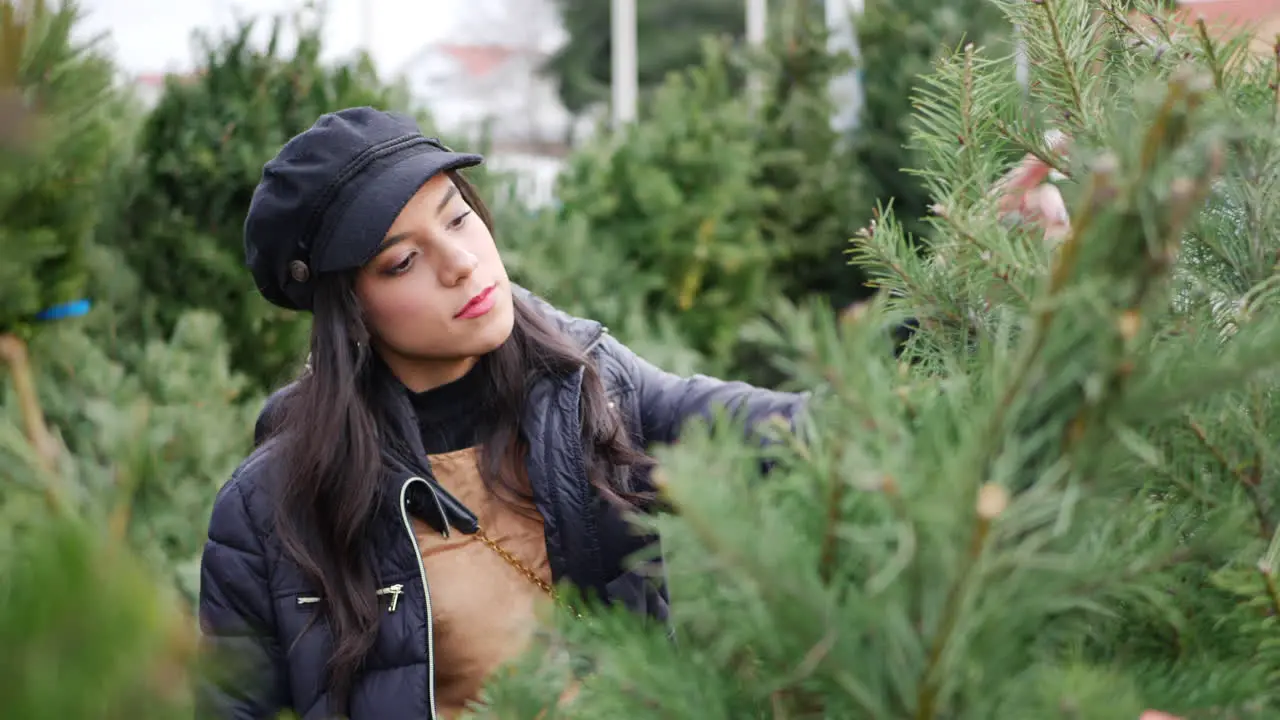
[(497, 327)]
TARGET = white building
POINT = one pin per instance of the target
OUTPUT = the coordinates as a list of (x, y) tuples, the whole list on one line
[(486, 81)]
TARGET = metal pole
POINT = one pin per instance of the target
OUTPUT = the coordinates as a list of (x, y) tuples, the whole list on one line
[(757, 33), (366, 26), (625, 68), (842, 37), (757, 21)]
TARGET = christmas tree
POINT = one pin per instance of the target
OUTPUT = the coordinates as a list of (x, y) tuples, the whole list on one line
[(669, 34), (726, 211), (1058, 502), (88, 629), (55, 112), (898, 40), (200, 154)]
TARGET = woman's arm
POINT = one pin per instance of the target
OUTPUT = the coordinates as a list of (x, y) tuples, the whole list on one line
[(667, 401), (246, 668)]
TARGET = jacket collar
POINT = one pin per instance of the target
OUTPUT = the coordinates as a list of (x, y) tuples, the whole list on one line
[(582, 331)]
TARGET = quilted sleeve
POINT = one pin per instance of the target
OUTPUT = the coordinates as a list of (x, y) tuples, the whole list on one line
[(246, 672), (667, 401)]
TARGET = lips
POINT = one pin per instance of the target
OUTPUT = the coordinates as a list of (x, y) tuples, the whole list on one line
[(478, 305)]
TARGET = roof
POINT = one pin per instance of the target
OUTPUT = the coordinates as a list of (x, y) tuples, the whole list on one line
[(1260, 18), (1230, 11), (157, 80), (477, 61)]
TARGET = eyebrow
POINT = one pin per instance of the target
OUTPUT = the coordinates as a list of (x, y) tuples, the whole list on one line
[(449, 195), (393, 240)]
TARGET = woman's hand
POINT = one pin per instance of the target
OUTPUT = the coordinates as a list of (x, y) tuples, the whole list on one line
[(1025, 195)]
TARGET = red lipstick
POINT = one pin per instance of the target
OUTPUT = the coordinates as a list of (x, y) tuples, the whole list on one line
[(478, 305)]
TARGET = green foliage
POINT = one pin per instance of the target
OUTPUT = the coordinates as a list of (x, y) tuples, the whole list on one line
[(561, 260), (201, 153), (898, 41), (669, 35), (1057, 505), (722, 212), (95, 612), (51, 185), (151, 434), (87, 631), (677, 194), (816, 188)]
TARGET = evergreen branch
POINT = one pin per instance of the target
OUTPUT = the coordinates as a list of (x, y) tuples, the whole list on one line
[(1269, 580), (809, 663), (967, 132), (704, 529), (1129, 574), (1207, 45), (1100, 190), (1003, 277), (870, 255), (1165, 126), (13, 352), (1054, 163), (1160, 26), (1073, 82), (1187, 487), (1118, 17), (1258, 294), (1275, 83), (835, 500), (983, 256), (1250, 481), (992, 500)]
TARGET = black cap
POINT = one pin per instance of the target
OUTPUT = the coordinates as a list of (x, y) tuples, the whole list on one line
[(327, 199)]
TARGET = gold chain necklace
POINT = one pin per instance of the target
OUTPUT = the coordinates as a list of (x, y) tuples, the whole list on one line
[(520, 567), (514, 562)]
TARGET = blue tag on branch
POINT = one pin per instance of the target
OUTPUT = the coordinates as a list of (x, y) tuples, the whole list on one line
[(64, 311)]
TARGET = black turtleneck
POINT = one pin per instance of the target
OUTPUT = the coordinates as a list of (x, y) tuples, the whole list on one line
[(449, 416)]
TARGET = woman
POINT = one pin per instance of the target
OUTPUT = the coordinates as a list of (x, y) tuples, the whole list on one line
[(454, 452)]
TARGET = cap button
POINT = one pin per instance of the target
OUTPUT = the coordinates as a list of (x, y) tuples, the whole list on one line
[(299, 271)]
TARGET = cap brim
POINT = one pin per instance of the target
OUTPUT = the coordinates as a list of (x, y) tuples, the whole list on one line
[(364, 223)]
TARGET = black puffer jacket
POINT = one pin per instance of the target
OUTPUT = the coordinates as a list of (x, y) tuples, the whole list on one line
[(249, 596)]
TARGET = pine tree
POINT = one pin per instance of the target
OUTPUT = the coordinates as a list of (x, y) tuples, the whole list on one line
[(815, 203), (898, 41), (560, 258), (57, 96), (729, 210), (90, 628), (200, 154), (678, 195), (669, 34), (1058, 503)]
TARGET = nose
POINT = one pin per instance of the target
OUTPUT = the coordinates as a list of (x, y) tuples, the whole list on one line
[(458, 265)]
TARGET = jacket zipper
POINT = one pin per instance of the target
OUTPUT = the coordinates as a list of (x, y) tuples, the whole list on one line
[(426, 594), (395, 591)]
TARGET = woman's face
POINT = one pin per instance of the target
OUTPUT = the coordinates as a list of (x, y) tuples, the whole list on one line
[(437, 296)]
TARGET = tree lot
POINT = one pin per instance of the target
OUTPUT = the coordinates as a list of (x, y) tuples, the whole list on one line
[(1056, 503)]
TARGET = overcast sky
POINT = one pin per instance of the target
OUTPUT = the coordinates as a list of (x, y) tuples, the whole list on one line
[(155, 35)]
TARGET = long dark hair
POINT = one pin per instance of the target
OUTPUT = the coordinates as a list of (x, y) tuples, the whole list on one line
[(331, 432)]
